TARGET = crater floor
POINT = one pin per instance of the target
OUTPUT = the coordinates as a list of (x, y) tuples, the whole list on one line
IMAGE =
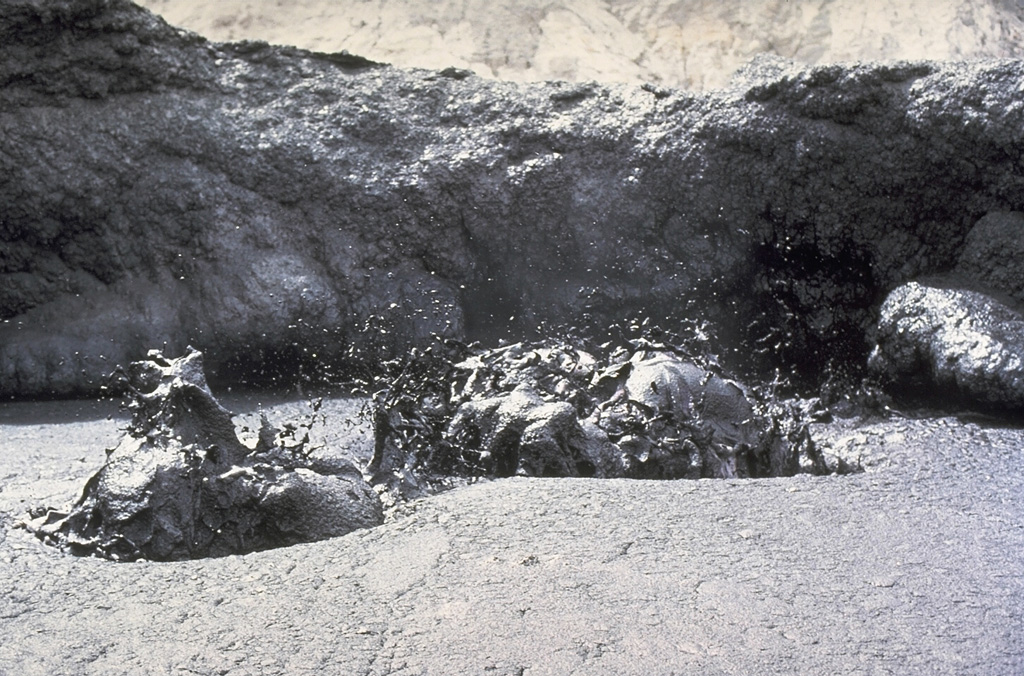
[(912, 567)]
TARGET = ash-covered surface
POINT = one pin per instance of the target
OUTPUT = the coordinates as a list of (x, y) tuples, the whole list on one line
[(911, 567)]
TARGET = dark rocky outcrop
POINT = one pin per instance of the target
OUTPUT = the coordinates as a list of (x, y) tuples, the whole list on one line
[(181, 485), (266, 204), (993, 254)]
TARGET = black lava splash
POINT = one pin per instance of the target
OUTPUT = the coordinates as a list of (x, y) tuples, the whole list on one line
[(640, 409)]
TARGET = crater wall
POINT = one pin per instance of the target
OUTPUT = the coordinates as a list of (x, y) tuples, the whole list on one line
[(269, 205)]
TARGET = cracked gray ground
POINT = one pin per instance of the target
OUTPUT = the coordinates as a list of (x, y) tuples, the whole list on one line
[(914, 567)]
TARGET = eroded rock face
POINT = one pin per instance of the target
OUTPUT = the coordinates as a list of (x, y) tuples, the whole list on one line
[(645, 411), (268, 204), (181, 485), (952, 343)]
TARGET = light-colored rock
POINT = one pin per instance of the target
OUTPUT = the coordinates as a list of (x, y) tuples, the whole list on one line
[(695, 43)]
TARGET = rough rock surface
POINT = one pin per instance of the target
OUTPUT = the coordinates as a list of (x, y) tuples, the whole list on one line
[(951, 343), (266, 204), (181, 485), (993, 254), (694, 43), (912, 567)]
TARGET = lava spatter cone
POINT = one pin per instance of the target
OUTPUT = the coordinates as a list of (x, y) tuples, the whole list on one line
[(181, 485)]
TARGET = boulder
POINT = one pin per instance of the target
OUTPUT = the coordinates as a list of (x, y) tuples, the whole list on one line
[(290, 212), (181, 485), (951, 344)]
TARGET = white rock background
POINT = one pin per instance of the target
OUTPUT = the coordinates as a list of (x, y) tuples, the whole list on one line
[(683, 43)]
